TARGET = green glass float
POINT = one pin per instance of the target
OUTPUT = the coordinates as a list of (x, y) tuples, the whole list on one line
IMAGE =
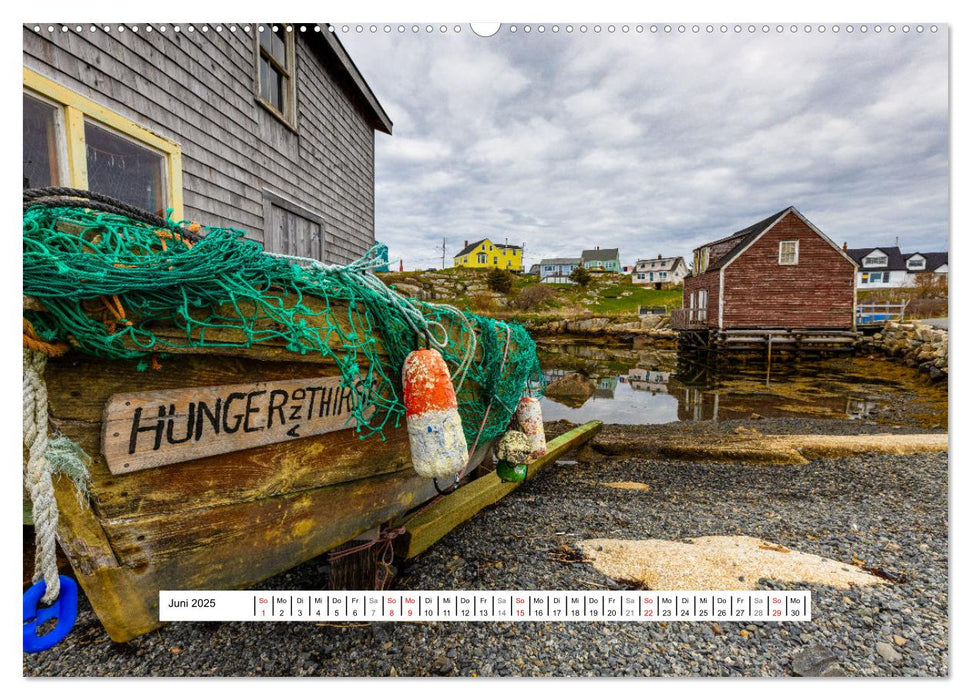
[(510, 472)]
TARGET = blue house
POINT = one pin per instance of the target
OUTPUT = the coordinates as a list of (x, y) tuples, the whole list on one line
[(557, 270)]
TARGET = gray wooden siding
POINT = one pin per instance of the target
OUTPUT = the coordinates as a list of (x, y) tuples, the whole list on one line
[(197, 89)]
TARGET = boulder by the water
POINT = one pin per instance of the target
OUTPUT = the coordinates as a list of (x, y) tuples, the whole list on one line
[(572, 389)]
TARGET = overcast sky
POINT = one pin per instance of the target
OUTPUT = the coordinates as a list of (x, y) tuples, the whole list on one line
[(655, 143)]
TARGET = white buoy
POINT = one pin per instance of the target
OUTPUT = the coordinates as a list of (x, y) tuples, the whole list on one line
[(438, 447), (530, 417)]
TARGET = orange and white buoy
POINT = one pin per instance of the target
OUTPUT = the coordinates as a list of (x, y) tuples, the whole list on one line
[(530, 418), (438, 447)]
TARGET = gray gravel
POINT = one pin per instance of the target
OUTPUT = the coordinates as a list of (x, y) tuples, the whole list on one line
[(889, 511)]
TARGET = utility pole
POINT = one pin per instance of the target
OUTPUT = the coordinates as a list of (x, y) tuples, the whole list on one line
[(443, 252)]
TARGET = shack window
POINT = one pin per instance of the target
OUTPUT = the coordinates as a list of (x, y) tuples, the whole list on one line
[(788, 252), (41, 144), (291, 229), (274, 85), (480, 258), (72, 141), (120, 168), (875, 261)]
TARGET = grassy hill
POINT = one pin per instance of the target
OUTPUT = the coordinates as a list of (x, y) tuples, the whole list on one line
[(606, 295)]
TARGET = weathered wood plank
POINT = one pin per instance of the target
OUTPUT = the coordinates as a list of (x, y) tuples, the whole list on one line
[(261, 472), (245, 542), (71, 399), (229, 547), (142, 430), (431, 524)]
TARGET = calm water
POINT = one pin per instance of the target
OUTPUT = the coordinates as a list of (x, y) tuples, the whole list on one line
[(638, 386)]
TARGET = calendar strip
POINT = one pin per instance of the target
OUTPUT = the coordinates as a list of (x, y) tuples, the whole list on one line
[(485, 606)]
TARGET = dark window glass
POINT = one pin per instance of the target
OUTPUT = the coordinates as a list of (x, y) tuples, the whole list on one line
[(275, 69), (124, 170), (279, 46), (264, 78), (40, 144)]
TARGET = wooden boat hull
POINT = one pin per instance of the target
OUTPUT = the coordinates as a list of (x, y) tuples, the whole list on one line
[(224, 521)]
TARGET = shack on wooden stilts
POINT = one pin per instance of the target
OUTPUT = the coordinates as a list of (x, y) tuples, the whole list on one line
[(780, 283)]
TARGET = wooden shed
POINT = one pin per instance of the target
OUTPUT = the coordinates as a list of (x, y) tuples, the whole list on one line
[(781, 275), (265, 127)]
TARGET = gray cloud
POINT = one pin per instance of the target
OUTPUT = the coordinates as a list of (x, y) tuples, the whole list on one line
[(655, 143)]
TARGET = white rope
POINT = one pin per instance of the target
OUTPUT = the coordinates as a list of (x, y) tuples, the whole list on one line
[(37, 474)]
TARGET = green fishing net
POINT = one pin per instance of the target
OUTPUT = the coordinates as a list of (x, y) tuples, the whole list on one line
[(116, 287)]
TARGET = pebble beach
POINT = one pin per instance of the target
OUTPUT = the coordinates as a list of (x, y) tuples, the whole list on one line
[(885, 513)]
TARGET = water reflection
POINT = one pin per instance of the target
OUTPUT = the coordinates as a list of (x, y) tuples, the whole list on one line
[(645, 385)]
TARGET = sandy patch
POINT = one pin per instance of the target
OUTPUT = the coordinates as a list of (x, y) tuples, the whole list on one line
[(626, 485), (716, 563)]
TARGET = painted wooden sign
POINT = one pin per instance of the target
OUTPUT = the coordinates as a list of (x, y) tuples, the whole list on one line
[(154, 428)]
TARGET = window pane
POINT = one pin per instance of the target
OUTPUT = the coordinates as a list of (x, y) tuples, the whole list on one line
[(273, 88), (281, 96), (124, 170), (265, 79), (279, 47), (40, 144)]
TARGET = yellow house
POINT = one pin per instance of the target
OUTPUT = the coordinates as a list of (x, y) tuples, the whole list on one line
[(485, 253)]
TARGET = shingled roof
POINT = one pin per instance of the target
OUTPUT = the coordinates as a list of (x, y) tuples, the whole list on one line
[(560, 261), (742, 238), (472, 246), (935, 260), (664, 263), (734, 244), (600, 254), (895, 259)]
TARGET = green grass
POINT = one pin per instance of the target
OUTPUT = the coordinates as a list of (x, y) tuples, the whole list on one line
[(604, 296), (611, 302)]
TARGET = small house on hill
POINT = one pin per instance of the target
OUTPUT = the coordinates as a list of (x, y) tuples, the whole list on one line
[(780, 273), (485, 254), (660, 272), (557, 270), (601, 259), (257, 126), (887, 267)]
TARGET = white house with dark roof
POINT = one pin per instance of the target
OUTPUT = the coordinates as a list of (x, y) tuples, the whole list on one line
[(660, 271), (886, 267)]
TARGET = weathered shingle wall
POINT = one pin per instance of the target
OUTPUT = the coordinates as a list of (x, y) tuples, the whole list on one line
[(197, 89)]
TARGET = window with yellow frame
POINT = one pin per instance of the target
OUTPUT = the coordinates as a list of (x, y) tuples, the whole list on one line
[(72, 141)]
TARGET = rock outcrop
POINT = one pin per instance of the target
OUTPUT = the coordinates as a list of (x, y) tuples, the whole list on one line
[(572, 389), (648, 325), (915, 344)]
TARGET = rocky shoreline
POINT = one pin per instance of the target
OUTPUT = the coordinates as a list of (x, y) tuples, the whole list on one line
[(648, 325), (915, 344)]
